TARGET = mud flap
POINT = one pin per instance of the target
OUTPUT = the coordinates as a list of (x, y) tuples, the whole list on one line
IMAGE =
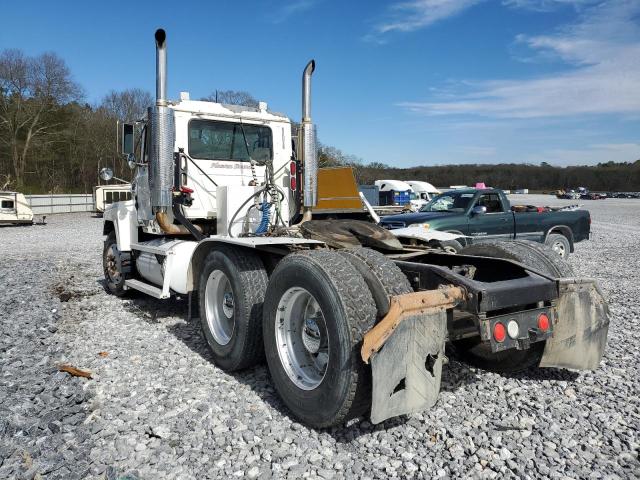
[(582, 323), (408, 369)]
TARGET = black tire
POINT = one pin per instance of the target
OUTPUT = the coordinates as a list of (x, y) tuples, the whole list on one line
[(247, 279), (451, 246), (349, 311), (534, 255), (559, 244), (383, 277), (114, 279)]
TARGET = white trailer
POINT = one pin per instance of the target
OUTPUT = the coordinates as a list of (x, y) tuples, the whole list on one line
[(423, 190), (14, 209), (104, 195), (349, 320)]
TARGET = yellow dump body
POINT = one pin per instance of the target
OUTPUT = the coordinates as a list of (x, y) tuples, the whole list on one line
[(337, 191)]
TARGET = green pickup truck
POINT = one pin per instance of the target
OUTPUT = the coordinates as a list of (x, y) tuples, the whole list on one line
[(484, 215)]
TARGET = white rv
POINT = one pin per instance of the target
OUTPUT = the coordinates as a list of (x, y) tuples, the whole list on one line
[(105, 195), (14, 208), (422, 193)]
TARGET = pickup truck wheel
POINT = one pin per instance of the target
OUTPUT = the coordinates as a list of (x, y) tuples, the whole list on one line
[(316, 312), (231, 292), (451, 246), (536, 256), (559, 244), (114, 278)]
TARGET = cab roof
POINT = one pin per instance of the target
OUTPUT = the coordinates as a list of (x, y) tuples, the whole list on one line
[(199, 107)]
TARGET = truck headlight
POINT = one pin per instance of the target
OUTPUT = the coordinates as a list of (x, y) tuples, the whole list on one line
[(425, 226)]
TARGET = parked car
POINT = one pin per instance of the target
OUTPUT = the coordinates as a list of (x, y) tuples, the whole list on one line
[(486, 214)]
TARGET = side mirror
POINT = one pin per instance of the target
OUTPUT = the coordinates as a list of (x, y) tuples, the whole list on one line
[(127, 138), (131, 161), (479, 210)]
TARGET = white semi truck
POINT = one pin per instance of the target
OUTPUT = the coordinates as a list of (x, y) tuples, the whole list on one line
[(351, 322)]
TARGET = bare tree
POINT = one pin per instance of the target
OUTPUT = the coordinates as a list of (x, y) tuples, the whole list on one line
[(128, 105), (232, 97), (31, 89), (5, 181)]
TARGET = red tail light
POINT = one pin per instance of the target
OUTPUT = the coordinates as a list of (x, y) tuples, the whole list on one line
[(543, 322), (293, 182), (499, 332), (184, 189)]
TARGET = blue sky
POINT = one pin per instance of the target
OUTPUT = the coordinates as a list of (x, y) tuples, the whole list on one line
[(406, 83)]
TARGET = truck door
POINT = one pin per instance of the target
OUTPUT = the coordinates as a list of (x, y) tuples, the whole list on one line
[(495, 224)]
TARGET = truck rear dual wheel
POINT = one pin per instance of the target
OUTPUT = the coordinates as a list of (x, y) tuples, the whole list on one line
[(534, 255), (318, 307), (231, 293)]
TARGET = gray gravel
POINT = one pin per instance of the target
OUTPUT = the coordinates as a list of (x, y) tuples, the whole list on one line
[(157, 407)]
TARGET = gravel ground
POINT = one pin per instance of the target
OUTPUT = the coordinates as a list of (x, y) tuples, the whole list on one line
[(157, 407)]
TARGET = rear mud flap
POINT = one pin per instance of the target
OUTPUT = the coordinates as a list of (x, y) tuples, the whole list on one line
[(408, 369), (582, 323)]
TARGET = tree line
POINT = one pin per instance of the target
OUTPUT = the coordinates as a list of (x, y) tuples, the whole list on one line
[(607, 177), (53, 141)]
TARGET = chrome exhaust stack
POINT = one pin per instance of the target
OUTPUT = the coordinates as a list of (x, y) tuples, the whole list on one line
[(308, 152), (162, 127)]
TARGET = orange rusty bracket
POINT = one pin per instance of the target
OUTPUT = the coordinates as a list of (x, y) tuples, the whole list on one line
[(403, 306)]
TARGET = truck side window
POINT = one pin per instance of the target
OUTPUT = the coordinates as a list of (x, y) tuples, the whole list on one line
[(491, 201), (7, 204)]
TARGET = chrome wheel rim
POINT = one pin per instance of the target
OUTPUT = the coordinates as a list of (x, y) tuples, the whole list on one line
[(220, 307), (559, 248), (302, 338), (112, 266)]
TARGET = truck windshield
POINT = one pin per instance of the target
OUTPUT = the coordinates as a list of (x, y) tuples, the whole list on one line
[(214, 140), (449, 202)]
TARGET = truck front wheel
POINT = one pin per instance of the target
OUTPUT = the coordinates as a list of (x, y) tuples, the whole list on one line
[(231, 292), (317, 310), (113, 277)]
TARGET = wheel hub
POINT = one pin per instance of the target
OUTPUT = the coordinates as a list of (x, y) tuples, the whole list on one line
[(227, 304), (558, 247), (311, 336), (112, 265)]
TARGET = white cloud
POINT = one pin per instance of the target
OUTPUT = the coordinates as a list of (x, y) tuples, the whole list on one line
[(416, 14), (603, 48), (546, 5), (292, 7)]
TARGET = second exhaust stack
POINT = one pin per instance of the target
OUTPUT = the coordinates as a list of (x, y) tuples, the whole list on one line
[(308, 149), (162, 133)]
